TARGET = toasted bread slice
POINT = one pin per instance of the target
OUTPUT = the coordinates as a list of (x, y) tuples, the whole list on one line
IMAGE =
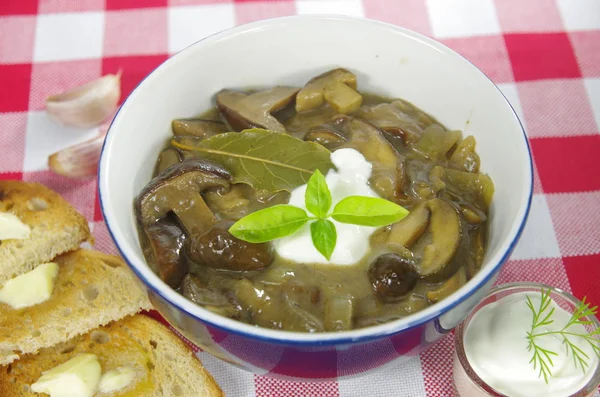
[(90, 290), (56, 227), (164, 365)]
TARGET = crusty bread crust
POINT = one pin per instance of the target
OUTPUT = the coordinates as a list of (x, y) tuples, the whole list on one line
[(164, 365), (56, 227), (90, 290)]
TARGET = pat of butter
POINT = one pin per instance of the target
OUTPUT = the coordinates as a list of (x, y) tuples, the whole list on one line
[(116, 379), (31, 288), (11, 227), (77, 377)]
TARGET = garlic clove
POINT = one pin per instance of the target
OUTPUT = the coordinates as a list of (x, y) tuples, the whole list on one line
[(78, 161), (88, 105)]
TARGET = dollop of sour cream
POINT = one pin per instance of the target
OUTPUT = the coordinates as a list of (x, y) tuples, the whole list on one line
[(495, 343), (350, 179)]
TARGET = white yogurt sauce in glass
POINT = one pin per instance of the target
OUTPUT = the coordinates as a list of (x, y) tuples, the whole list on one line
[(350, 179), (495, 343)]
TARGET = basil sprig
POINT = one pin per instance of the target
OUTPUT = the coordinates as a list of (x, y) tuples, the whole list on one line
[(283, 220)]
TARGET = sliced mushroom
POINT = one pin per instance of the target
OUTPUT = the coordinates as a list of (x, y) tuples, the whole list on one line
[(198, 292), (471, 214), (392, 276), (263, 308), (178, 190), (241, 199), (395, 136), (402, 179), (250, 296), (418, 170), (436, 177), (337, 87), (435, 142), (277, 276), (464, 157), (219, 249), (301, 123), (231, 204), (446, 232), (476, 250), (449, 286), (342, 98), (407, 231), (397, 118), (166, 240), (167, 158), (188, 140), (399, 249), (198, 127), (422, 191), (284, 313), (264, 198), (386, 160), (446, 235), (478, 189), (413, 185), (244, 111), (326, 136)]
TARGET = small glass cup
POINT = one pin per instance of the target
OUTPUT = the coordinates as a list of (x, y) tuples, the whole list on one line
[(468, 384)]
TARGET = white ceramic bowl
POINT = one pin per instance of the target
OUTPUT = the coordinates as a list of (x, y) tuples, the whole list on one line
[(388, 60)]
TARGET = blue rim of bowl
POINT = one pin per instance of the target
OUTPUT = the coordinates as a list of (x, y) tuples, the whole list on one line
[(373, 332)]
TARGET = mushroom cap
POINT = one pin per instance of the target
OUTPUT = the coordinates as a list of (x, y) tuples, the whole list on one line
[(407, 231), (219, 249), (175, 185), (167, 158), (313, 93), (177, 190), (446, 237), (325, 135), (244, 111), (166, 240), (392, 276), (443, 221), (197, 127)]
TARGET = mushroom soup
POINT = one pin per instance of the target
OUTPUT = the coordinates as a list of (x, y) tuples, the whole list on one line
[(218, 168)]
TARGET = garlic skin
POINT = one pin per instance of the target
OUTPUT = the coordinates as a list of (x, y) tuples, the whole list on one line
[(88, 105), (78, 161)]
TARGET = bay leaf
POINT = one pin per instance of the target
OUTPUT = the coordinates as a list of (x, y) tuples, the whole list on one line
[(263, 159)]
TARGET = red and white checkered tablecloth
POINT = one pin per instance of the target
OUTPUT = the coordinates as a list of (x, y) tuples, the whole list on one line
[(543, 54)]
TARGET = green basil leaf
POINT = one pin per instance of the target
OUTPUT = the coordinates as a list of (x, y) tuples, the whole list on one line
[(368, 211), (269, 223), (317, 197), (324, 236)]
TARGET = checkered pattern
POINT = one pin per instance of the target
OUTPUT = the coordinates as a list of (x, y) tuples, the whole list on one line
[(544, 55)]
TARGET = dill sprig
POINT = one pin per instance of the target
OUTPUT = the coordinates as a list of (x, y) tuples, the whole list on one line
[(542, 316)]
